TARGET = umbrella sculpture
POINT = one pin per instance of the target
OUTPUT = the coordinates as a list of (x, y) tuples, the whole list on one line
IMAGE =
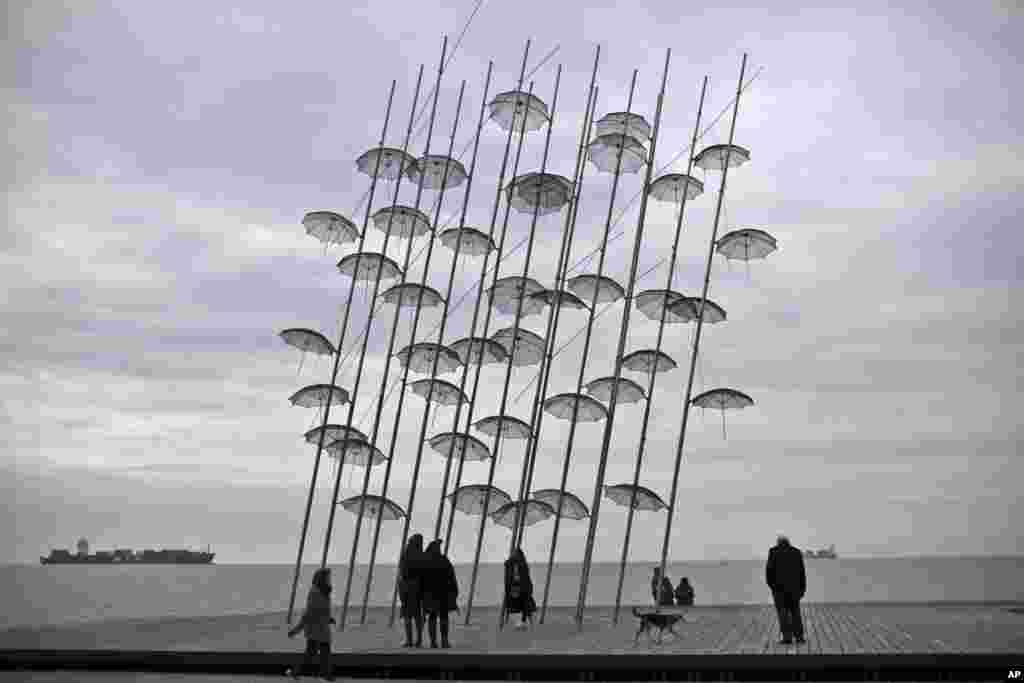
[(530, 513), (584, 408), (438, 391), (356, 451), (597, 288), (306, 340), (438, 169), (629, 391), (470, 499), (605, 151), (420, 357), (713, 313), (469, 241), (511, 427), (479, 351), (507, 291), (648, 360), (654, 303), (572, 506), (508, 109), (623, 123), (330, 228), (746, 244), (412, 295), (527, 348), (369, 266), (540, 193), (461, 445), (671, 188), (317, 395), (373, 506), (401, 221), (332, 433), (559, 297), (646, 499), (714, 158), (388, 162), (723, 399)]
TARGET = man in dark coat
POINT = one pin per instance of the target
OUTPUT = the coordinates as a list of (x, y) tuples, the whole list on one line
[(519, 588), (440, 591), (786, 577)]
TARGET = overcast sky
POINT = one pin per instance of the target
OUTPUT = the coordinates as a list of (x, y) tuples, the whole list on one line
[(159, 159)]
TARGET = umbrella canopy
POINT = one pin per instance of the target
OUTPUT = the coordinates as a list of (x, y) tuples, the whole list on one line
[(511, 427), (624, 123), (746, 244), (438, 170), (559, 297), (392, 163), (411, 295), (530, 512), (585, 287), (646, 499), (526, 347), (470, 241), (368, 265), (438, 391), (329, 227), (713, 313), (655, 302), (713, 158), (506, 293), (569, 406), (401, 221), (723, 399), (420, 357), (673, 186), (332, 433), (460, 445), (544, 193), (479, 351), (629, 391), (308, 340), (470, 499), (647, 360), (605, 150), (572, 506), (355, 451), (317, 395), (374, 506), (508, 108)]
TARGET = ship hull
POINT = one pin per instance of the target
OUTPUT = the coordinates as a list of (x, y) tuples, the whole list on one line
[(90, 560)]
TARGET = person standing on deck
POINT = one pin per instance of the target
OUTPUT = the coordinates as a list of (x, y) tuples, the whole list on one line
[(787, 579), (661, 589), (410, 589), (684, 593), (519, 588), (440, 591), (316, 624)]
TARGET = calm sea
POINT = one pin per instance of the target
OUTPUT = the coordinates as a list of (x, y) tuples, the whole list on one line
[(37, 595)]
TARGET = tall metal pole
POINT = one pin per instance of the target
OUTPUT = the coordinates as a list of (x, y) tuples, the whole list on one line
[(494, 451), (700, 322), (554, 314), (653, 374), (588, 551), (419, 302), (480, 296), (398, 414), (337, 360), (362, 356)]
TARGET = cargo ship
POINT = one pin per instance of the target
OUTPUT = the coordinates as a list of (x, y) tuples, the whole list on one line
[(122, 556), (828, 553)]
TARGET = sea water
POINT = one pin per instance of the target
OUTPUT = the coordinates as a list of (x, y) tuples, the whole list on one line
[(39, 595)]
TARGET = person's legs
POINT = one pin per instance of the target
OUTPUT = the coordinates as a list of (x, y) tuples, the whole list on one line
[(307, 659), (325, 660), (408, 631), (781, 608), (444, 630), (419, 627), (432, 627), (795, 618)]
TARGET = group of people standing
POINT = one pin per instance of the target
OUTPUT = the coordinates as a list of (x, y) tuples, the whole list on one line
[(427, 587), (666, 596)]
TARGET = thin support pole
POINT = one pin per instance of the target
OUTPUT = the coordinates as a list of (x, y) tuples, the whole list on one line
[(653, 374), (494, 452), (700, 325), (366, 340), (334, 371), (588, 552)]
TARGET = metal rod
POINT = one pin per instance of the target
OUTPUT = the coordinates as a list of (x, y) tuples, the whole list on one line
[(366, 339), (653, 375), (554, 315), (700, 321), (588, 551), (447, 300), (588, 124), (494, 452), (479, 299), (334, 371)]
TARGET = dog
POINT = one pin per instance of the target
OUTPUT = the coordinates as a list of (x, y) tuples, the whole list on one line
[(650, 621)]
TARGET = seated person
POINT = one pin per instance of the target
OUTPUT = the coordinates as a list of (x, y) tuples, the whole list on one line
[(662, 597), (684, 593)]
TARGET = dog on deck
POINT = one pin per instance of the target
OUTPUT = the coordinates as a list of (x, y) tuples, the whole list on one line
[(662, 622)]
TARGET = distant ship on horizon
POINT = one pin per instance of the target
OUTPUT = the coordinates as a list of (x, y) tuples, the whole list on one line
[(122, 556), (828, 553)]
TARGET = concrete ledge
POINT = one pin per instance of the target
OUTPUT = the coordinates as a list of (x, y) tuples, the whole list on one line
[(533, 667)]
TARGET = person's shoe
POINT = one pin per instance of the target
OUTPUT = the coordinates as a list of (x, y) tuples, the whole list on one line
[(800, 641), (433, 645), (446, 645), (786, 641), (407, 644)]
